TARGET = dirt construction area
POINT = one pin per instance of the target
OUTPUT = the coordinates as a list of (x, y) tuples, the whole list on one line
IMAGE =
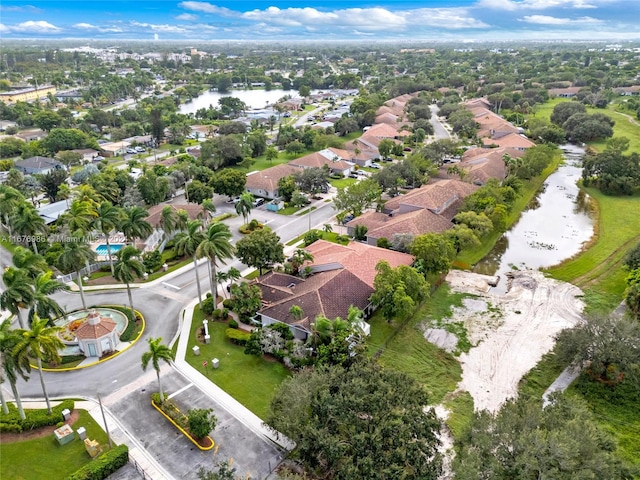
[(510, 332)]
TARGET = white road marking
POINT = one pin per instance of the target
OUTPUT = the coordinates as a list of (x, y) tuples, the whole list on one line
[(171, 286), (179, 391)]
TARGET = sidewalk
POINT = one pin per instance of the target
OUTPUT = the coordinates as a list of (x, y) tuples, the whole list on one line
[(118, 434)]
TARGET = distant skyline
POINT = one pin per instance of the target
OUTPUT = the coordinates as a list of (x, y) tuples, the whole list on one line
[(406, 20)]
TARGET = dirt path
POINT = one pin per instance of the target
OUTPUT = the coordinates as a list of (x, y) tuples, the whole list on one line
[(534, 310)]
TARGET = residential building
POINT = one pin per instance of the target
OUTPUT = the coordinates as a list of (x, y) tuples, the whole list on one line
[(35, 165), (265, 183), (26, 94)]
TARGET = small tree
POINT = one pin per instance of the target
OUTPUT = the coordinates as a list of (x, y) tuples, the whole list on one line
[(201, 422)]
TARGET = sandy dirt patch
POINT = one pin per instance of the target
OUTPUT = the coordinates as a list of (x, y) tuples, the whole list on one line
[(531, 313)]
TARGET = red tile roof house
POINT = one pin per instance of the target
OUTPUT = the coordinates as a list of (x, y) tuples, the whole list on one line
[(482, 164), (324, 157), (428, 209), (265, 183), (342, 276)]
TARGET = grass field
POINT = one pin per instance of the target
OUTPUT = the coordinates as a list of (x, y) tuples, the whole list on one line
[(249, 379), (44, 458), (405, 349)]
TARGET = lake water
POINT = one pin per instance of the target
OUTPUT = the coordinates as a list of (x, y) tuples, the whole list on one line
[(553, 228), (253, 98)]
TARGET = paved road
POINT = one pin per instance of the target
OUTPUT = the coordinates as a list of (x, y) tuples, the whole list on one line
[(440, 132)]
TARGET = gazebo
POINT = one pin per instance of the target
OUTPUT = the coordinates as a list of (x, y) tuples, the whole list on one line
[(98, 335)]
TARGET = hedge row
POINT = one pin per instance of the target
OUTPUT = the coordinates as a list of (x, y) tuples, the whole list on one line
[(103, 466), (12, 423), (239, 337)]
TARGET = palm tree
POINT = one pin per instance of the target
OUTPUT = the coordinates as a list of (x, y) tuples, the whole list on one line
[(182, 218), (75, 255), (40, 342), (157, 351), (107, 217), (244, 206), (64, 192), (233, 274), (43, 304), (18, 292), (168, 220), (86, 193), (128, 267), (26, 260), (79, 217), (10, 198), (327, 228), (296, 312), (10, 366), (208, 208), (187, 243), (134, 225), (26, 221), (216, 245), (298, 258), (221, 277)]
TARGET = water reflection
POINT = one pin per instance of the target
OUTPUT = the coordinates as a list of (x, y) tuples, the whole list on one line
[(554, 227)]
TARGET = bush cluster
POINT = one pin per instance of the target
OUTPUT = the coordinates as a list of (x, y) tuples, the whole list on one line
[(103, 466), (12, 423), (239, 337)]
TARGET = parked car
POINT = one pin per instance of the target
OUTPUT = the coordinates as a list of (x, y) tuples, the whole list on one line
[(131, 151), (97, 158), (347, 219), (258, 201), (353, 175), (375, 165), (140, 149)]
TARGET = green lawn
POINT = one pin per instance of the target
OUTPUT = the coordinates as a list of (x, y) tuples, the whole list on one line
[(249, 379), (342, 182), (406, 350), (44, 458), (599, 270)]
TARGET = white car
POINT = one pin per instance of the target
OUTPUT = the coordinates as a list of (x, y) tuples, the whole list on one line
[(140, 149), (375, 165)]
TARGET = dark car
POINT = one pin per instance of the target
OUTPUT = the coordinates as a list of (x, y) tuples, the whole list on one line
[(347, 219)]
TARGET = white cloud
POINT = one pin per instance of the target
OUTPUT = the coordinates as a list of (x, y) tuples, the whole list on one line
[(164, 28), (35, 26), (208, 8), (22, 8), (512, 5), (547, 20), (156, 36), (4, 28), (85, 26), (188, 17)]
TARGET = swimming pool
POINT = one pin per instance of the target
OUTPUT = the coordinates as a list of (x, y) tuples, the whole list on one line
[(102, 248)]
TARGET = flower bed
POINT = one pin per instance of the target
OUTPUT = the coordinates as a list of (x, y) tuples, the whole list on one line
[(180, 421)]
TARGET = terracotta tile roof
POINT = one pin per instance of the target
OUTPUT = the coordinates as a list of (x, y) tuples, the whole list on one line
[(435, 196), (328, 293), (416, 222), (267, 179), (382, 130), (358, 258), (87, 331), (193, 209), (318, 160), (511, 140)]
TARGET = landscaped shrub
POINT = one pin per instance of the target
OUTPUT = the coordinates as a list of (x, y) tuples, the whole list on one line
[(103, 466), (239, 337), (152, 261), (34, 418), (201, 422), (383, 243), (65, 359), (233, 323), (311, 236), (227, 303), (208, 305)]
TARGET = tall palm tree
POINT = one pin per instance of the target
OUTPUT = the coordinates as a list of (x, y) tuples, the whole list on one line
[(208, 207), (86, 193), (10, 198), (244, 206), (12, 367), (26, 260), (157, 352), (216, 246), (182, 218), (128, 267), (40, 342), (106, 219), (233, 274), (168, 220), (187, 243), (76, 254), (44, 306), (134, 224), (79, 217), (18, 292), (26, 221), (222, 276)]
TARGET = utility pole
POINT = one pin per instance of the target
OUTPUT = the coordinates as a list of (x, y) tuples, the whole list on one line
[(104, 419)]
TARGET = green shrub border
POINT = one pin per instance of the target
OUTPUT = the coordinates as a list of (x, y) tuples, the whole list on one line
[(12, 423), (103, 466)]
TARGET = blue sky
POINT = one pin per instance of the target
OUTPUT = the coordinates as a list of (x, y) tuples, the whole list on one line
[(364, 20)]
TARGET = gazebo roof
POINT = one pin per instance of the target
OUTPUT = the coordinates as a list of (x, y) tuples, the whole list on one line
[(95, 327)]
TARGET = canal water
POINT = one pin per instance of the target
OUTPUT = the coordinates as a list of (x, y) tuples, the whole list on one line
[(553, 227)]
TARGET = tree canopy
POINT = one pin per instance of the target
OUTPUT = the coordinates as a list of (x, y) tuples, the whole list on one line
[(260, 249), (364, 422)]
